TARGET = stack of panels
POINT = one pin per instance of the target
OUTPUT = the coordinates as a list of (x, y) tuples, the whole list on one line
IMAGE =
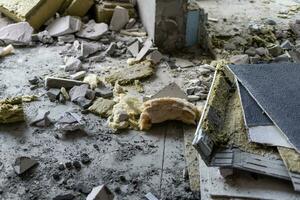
[(250, 122)]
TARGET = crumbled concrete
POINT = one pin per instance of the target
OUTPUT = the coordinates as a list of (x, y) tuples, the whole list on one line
[(43, 37), (64, 26), (155, 57), (78, 75), (88, 49), (92, 30), (66, 38), (72, 65), (16, 34), (119, 19), (69, 121), (134, 48), (53, 94), (240, 59), (131, 23), (147, 45), (42, 119)]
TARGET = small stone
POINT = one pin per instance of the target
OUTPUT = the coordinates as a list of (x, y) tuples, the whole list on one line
[(190, 91), (42, 119), (43, 37), (104, 92), (271, 22), (22, 164), (64, 93), (282, 58), (77, 165), (56, 176), (111, 49), (229, 46), (239, 59), (92, 79), (261, 51), (88, 49), (69, 121), (155, 57), (85, 159), (53, 82), (119, 19), (64, 197), (34, 81), (68, 165), (61, 167)]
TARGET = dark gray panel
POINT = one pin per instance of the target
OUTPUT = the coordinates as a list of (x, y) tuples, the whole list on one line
[(275, 87), (254, 115)]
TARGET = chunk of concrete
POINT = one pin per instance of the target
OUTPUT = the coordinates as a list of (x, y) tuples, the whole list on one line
[(92, 30), (72, 65), (155, 57), (240, 59), (36, 12), (16, 34), (88, 49), (22, 164), (102, 107), (42, 119), (275, 50), (110, 51), (70, 121), (43, 37), (66, 38), (53, 94), (119, 19), (78, 91), (147, 45), (131, 23), (104, 92), (171, 90), (134, 48), (93, 80), (64, 25), (64, 197), (100, 193), (52, 82)]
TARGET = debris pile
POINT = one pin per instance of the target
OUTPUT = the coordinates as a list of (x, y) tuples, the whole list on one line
[(243, 129)]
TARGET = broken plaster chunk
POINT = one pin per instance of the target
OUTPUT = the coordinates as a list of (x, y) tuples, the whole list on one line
[(135, 72), (164, 109), (78, 75), (11, 110), (92, 30), (171, 90), (155, 57), (63, 26), (131, 23), (66, 38), (134, 48), (41, 120), (100, 193), (92, 79), (88, 49), (119, 19), (102, 107), (22, 164), (70, 121), (240, 59), (43, 37), (16, 34), (52, 82)]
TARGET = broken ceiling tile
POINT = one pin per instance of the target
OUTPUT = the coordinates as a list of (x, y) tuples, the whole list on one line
[(88, 49), (119, 19), (100, 193), (16, 34), (164, 109), (147, 45), (134, 48), (35, 12), (64, 25), (22, 164), (102, 107), (92, 30), (135, 72)]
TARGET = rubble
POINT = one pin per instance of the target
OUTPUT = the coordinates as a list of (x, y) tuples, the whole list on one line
[(16, 34), (53, 94), (93, 80), (41, 120), (23, 164), (134, 48), (11, 110), (78, 75), (119, 19), (69, 121), (66, 38), (64, 26), (100, 193), (155, 57), (7, 50), (102, 107), (82, 96), (92, 30), (163, 109), (72, 65), (36, 13), (239, 59), (147, 45), (135, 72)]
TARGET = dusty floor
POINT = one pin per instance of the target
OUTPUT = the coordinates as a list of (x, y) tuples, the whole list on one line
[(131, 163)]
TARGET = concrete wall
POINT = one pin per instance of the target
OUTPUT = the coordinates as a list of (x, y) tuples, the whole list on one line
[(147, 10)]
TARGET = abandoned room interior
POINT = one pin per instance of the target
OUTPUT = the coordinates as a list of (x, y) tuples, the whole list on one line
[(149, 99)]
